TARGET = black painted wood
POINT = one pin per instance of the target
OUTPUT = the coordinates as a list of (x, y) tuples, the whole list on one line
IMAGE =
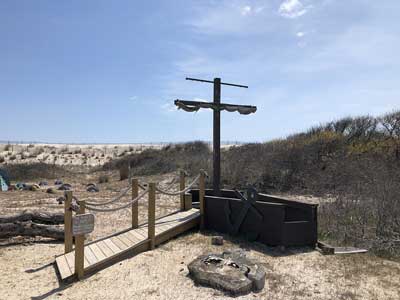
[(217, 137), (284, 223)]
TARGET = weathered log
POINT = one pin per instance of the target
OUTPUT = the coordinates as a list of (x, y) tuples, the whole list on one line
[(36, 217), (31, 229)]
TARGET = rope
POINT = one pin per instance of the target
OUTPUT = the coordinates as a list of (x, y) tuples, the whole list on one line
[(113, 200), (178, 192), (174, 180), (119, 207)]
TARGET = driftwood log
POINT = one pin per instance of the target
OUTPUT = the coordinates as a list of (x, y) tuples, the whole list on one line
[(35, 217), (33, 224), (31, 229)]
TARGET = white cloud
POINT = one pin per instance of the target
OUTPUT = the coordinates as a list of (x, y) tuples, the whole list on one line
[(232, 17), (259, 9), (292, 9), (249, 10), (300, 34), (133, 98), (245, 10)]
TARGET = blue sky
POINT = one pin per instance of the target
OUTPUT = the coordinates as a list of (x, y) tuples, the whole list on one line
[(108, 71)]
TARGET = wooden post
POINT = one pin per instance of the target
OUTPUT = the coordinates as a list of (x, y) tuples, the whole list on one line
[(68, 222), (80, 247), (202, 187), (181, 188), (217, 107), (135, 205), (188, 201), (82, 207), (217, 138), (152, 214)]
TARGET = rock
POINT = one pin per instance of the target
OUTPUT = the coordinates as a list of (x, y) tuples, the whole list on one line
[(65, 187), (43, 183), (60, 200), (58, 182), (35, 187), (27, 187), (20, 186), (217, 240), (50, 191), (92, 189), (230, 271)]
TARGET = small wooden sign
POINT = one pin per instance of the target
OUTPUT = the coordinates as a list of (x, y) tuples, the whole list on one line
[(82, 224)]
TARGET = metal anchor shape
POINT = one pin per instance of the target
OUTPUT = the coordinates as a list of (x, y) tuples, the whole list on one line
[(248, 204)]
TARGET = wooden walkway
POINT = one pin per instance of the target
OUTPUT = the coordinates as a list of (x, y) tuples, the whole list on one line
[(114, 248)]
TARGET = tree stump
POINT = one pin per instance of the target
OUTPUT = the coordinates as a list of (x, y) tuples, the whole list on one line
[(231, 272)]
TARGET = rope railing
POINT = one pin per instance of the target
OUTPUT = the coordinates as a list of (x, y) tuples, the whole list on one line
[(71, 204), (174, 180), (111, 201), (94, 206), (111, 209), (178, 192)]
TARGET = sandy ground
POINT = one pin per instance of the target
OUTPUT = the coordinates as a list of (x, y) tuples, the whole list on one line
[(28, 271), (73, 154), (66, 155)]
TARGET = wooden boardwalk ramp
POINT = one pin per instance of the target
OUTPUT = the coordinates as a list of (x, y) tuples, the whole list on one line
[(109, 250)]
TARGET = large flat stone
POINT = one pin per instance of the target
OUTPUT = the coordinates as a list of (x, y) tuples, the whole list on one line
[(230, 271)]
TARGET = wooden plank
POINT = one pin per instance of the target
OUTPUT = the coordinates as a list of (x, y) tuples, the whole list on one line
[(63, 267), (166, 226), (173, 232), (142, 231), (97, 252), (125, 240), (70, 257), (86, 263), (90, 256), (112, 245), (119, 243), (133, 238), (106, 249), (138, 248), (137, 235), (349, 250)]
